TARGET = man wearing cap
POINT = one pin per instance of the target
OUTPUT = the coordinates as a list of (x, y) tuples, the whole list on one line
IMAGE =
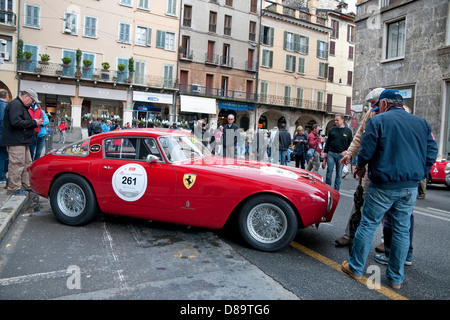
[(352, 151), (18, 129), (400, 150)]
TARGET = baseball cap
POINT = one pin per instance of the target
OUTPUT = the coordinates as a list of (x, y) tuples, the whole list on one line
[(32, 94), (389, 94)]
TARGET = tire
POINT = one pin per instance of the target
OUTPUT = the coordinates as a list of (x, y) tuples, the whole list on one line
[(72, 200), (268, 223)]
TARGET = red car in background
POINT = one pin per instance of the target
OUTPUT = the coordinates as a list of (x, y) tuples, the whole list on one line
[(169, 175), (440, 172)]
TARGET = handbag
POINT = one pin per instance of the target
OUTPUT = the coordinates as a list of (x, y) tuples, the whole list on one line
[(311, 152)]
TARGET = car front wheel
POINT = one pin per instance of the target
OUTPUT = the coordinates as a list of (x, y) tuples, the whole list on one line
[(72, 200), (268, 223)]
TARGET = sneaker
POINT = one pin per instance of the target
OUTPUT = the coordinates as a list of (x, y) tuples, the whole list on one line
[(346, 269), (396, 286), (382, 259), (18, 192), (341, 242), (408, 261)]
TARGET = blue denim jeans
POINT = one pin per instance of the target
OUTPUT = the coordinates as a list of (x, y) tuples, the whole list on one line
[(283, 157), (333, 161), (3, 162), (37, 144), (400, 203)]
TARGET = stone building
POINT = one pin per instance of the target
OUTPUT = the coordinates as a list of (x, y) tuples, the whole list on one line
[(404, 44)]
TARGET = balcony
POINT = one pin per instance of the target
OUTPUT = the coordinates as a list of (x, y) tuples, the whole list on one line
[(186, 54), (217, 92), (282, 101), (93, 74), (212, 59), (8, 18), (226, 61)]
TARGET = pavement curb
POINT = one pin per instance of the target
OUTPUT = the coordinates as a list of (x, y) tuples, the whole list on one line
[(10, 210)]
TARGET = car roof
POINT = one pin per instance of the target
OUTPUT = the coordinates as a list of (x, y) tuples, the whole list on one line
[(155, 132)]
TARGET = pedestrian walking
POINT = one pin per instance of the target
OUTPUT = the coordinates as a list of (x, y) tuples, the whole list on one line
[(62, 127), (315, 149), (339, 139), (38, 140), (284, 141), (400, 151), (229, 138), (300, 141), (18, 129)]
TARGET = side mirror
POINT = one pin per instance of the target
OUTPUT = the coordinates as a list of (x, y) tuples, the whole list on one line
[(151, 158)]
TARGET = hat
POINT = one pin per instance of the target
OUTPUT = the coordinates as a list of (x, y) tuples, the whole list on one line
[(374, 94), (32, 94), (390, 94)]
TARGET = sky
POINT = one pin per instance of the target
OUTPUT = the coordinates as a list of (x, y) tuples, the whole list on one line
[(351, 5)]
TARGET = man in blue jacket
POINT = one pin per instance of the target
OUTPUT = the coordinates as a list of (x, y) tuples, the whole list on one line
[(400, 151)]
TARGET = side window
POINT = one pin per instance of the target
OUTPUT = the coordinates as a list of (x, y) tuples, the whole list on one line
[(152, 147), (131, 148), (120, 148)]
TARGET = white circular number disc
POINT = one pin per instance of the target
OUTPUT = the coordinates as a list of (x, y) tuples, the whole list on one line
[(130, 182)]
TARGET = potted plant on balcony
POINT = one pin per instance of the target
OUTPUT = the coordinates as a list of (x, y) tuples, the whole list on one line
[(66, 61), (121, 68), (87, 64), (45, 58), (59, 72), (27, 56), (105, 66)]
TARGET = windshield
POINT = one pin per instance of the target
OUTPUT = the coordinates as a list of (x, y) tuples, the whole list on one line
[(181, 148)]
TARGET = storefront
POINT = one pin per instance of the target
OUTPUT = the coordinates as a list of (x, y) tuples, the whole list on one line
[(243, 113), (102, 103), (151, 108), (196, 108)]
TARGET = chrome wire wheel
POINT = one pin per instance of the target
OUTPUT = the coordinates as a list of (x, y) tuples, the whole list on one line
[(71, 199), (267, 223)]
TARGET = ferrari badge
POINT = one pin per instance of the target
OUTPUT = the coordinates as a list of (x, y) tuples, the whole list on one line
[(189, 180)]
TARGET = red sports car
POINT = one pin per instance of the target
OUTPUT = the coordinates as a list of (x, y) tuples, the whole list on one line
[(440, 172), (168, 175)]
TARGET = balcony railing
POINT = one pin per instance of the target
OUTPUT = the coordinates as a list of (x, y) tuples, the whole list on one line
[(217, 92), (7, 17), (282, 101), (94, 74)]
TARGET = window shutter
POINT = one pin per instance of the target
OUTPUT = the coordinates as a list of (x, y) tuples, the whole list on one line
[(301, 65), (270, 59), (160, 39)]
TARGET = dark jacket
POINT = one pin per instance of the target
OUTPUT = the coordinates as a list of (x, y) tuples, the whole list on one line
[(94, 127), (299, 147), (285, 139), (339, 139), (399, 148), (3, 105), (18, 126)]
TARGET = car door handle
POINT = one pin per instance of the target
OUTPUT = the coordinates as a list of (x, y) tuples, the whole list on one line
[(107, 167)]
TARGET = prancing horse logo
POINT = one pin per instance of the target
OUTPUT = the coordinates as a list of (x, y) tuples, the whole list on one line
[(189, 180)]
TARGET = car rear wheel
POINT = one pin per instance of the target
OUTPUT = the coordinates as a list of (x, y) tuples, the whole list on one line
[(72, 200), (268, 223)]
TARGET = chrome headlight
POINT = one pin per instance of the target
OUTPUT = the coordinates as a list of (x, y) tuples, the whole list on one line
[(447, 168), (330, 202)]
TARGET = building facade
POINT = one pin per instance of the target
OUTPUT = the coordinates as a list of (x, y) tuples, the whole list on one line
[(404, 44), (140, 62)]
